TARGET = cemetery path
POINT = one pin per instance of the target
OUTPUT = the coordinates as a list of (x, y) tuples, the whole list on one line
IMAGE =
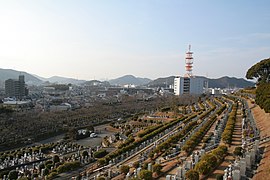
[(236, 142)]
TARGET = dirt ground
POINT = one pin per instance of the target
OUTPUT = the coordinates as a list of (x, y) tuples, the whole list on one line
[(263, 122)]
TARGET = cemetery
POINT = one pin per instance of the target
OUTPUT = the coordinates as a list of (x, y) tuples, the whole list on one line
[(192, 144)]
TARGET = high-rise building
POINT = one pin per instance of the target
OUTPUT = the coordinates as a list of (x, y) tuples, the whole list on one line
[(16, 87), (189, 84)]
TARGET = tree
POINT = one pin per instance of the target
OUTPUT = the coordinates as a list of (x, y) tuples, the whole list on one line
[(85, 153), (192, 175), (100, 154), (101, 162), (157, 168), (13, 174), (237, 151), (56, 159), (124, 169), (136, 164), (146, 175), (260, 70), (203, 167)]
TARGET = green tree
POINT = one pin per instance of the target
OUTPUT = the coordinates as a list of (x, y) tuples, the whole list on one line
[(203, 167), (192, 175), (237, 151), (157, 168), (56, 159), (85, 153), (100, 154), (13, 175), (136, 164), (145, 175), (260, 71), (124, 169)]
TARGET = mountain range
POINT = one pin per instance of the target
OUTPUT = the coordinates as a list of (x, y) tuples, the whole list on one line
[(129, 79), (30, 79)]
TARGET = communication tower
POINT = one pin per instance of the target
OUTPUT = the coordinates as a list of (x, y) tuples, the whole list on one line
[(189, 62)]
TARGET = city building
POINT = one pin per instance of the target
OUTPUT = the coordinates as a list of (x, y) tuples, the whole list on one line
[(16, 88), (189, 84)]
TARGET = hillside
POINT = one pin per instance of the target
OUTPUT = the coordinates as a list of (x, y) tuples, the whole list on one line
[(223, 82), (129, 79), (162, 82), (229, 82), (63, 80), (13, 74)]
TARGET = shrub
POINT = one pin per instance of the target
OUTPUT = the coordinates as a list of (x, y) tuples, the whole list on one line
[(100, 154), (192, 175), (238, 151), (146, 175), (157, 168), (124, 169)]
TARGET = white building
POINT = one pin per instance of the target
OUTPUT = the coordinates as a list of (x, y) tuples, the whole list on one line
[(190, 85)]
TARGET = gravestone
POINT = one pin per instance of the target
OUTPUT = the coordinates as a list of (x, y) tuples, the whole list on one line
[(248, 160), (243, 167), (149, 167)]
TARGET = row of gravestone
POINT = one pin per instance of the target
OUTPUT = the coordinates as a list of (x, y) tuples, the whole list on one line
[(26, 158), (245, 166)]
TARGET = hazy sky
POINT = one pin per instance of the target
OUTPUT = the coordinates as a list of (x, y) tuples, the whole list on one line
[(105, 39)]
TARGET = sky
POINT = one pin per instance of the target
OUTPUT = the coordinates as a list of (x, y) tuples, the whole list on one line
[(106, 39)]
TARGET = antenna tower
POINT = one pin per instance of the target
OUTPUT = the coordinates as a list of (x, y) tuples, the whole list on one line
[(189, 62)]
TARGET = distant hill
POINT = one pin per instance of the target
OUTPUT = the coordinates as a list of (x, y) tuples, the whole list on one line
[(223, 82), (63, 80), (13, 74), (229, 82), (129, 79), (96, 83), (162, 82)]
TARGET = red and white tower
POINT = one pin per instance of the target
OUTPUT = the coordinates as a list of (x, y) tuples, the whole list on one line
[(189, 62)]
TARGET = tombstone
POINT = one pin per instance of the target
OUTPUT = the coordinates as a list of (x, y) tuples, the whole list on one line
[(42, 172), (253, 156), (243, 167), (196, 158), (149, 167), (168, 177), (236, 174), (139, 170), (179, 172), (248, 161), (257, 142), (127, 176), (188, 165), (202, 152)]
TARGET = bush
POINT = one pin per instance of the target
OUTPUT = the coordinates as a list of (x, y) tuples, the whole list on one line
[(219, 177), (69, 166), (124, 169), (100, 154), (157, 168), (136, 164), (192, 175), (56, 159), (13, 174), (52, 175), (102, 162), (146, 175), (237, 151)]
